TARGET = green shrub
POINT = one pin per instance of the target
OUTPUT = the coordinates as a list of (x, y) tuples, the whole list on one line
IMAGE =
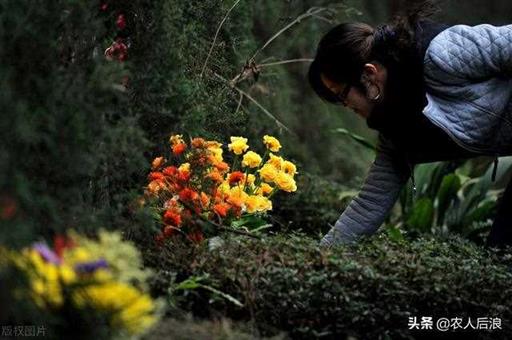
[(368, 290), (186, 328), (70, 149)]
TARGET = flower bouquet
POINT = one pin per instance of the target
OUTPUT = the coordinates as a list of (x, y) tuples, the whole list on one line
[(95, 285), (195, 192)]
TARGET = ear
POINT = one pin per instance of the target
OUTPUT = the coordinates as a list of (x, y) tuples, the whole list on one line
[(370, 72)]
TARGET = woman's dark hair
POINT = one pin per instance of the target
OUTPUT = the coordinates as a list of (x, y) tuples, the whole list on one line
[(346, 48)]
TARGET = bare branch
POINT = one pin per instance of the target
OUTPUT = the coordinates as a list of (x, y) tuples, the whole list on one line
[(239, 103), (301, 60), (313, 11), (232, 85), (216, 35)]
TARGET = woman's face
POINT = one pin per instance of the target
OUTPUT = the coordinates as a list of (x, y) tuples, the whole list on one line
[(355, 99)]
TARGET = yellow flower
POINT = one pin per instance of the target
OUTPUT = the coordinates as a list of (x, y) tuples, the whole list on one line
[(268, 172), (176, 139), (237, 196), (285, 182), (252, 203), (211, 144), (238, 145), (184, 167), (216, 154), (250, 179), (289, 168), (257, 203), (130, 308), (224, 188), (264, 189), (276, 161), (264, 204), (215, 149), (45, 284), (78, 255), (67, 274), (251, 159), (271, 143)]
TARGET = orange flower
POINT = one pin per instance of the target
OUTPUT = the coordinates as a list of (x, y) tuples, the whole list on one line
[(153, 176), (157, 163), (155, 186), (222, 166), (205, 200), (198, 143), (170, 171), (215, 176), (221, 209), (172, 217), (236, 201), (178, 149), (236, 177), (187, 195)]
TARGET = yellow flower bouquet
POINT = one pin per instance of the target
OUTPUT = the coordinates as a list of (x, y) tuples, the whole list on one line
[(195, 192), (81, 279)]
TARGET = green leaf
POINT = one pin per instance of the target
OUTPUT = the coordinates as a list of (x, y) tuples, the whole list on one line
[(250, 222), (422, 215), (395, 234), (190, 283), (484, 211), (222, 294), (450, 185)]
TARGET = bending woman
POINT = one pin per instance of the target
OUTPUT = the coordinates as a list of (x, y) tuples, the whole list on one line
[(433, 92)]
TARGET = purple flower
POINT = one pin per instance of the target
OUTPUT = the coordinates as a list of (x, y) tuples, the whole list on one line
[(90, 267), (46, 253)]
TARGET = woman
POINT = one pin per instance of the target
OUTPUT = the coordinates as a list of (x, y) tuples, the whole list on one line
[(433, 92)]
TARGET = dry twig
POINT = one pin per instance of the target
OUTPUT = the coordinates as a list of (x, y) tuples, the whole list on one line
[(216, 35)]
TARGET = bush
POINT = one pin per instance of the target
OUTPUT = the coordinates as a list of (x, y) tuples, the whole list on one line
[(367, 290), (70, 149), (187, 328)]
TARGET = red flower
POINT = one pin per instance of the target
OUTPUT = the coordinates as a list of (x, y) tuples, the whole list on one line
[(104, 7), (155, 175), (188, 195), (121, 22), (60, 243), (236, 177), (178, 149), (196, 236), (170, 171), (117, 51), (8, 207), (184, 176), (172, 217)]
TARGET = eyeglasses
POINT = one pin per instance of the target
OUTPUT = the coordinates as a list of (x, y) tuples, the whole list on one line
[(342, 96)]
